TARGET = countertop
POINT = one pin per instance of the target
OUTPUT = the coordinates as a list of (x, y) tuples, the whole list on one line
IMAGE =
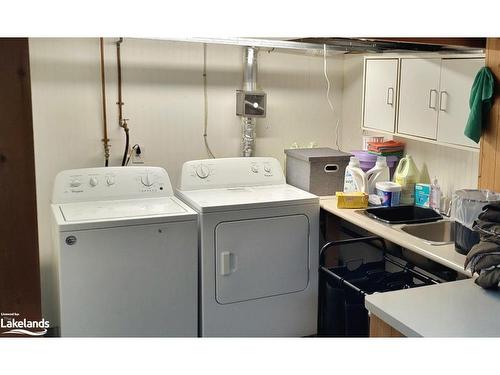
[(443, 254), (454, 309)]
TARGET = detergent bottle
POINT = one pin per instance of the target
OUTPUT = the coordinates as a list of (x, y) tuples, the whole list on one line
[(355, 178), (379, 173), (406, 175)]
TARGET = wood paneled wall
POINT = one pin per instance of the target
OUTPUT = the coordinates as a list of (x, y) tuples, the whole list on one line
[(489, 162), (19, 261)]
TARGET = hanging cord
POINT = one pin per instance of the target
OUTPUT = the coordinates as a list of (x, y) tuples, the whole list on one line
[(105, 139), (121, 121), (205, 103), (328, 97), (132, 150), (127, 141)]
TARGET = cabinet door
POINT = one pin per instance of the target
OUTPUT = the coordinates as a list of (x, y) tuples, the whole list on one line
[(379, 109), (419, 97), (457, 77)]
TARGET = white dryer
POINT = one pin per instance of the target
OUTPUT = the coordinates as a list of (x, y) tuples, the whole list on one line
[(127, 254), (258, 248)]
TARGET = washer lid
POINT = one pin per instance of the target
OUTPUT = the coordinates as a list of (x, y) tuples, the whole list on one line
[(118, 209), (234, 198)]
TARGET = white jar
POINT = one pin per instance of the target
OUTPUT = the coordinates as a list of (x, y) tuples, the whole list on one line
[(389, 192)]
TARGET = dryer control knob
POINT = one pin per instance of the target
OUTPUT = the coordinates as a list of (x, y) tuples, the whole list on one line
[(202, 171), (267, 169), (147, 180), (110, 180), (93, 181), (75, 183)]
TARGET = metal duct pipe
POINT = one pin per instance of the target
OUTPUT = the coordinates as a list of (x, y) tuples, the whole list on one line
[(250, 69), (248, 124)]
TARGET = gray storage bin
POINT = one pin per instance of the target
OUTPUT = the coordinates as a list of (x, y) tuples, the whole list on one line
[(317, 170)]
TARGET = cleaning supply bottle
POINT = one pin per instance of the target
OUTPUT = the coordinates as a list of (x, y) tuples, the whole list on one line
[(435, 201), (355, 178), (407, 175), (379, 173)]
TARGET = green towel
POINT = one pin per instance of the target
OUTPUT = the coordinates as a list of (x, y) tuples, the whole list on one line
[(480, 101)]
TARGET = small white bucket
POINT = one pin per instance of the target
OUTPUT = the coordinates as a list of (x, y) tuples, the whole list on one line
[(389, 192)]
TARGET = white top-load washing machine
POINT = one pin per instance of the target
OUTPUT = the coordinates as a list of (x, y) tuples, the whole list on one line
[(258, 248), (127, 254)]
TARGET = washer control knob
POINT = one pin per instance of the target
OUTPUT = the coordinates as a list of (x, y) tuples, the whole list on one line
[(254, 168), (202, 171), (147, 180), (110, 180), (75, 183), (267, 168), (93, 181)]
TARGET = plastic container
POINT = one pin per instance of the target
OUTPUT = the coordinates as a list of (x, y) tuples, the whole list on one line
[(352, 200), (389, 192), (466, 206), (355, 178), (368, 160), (403, 214), (379, 173), (435, 198), (407, 175)]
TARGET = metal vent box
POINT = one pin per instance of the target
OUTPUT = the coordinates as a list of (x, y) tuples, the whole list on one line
[(319, 171)]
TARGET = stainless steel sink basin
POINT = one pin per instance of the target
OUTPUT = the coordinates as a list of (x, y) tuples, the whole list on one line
[(437, 233)]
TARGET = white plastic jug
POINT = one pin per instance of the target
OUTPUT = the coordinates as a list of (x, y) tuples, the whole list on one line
[(355, 178), (407, 175), (379, 173)]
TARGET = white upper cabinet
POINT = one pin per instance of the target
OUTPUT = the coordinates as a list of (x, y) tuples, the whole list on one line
[(457, 77), (419, 97), (380, 97), (423, 98)]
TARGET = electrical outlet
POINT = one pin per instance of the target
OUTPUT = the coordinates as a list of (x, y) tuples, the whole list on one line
[(137, 156)]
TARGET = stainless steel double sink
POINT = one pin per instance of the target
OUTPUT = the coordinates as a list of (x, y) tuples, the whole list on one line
[(435, 231)]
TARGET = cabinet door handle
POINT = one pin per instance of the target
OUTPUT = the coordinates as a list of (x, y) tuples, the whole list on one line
[(443, 101), (432, 98), (390, 96)]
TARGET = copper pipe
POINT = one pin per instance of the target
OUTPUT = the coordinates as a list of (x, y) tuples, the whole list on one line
[(105, 139)]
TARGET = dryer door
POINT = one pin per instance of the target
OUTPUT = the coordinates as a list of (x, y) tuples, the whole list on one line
[(260, 258)]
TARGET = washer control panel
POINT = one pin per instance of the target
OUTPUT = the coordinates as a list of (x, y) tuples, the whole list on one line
[(231, 172), (108, 183)]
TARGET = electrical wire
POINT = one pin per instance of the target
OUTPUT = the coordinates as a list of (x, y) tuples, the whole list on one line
[(330, 104), (205, 103), (127, 141)]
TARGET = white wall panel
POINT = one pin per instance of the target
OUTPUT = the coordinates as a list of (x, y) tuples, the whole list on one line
[(163, 95)]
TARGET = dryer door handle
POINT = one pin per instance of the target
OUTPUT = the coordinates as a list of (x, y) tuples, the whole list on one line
[(227, 263)]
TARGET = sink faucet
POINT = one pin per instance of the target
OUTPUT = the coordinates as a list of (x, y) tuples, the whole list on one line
[(447, 204)]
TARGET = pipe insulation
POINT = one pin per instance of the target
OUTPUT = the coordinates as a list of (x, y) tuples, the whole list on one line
[(248, 124)]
